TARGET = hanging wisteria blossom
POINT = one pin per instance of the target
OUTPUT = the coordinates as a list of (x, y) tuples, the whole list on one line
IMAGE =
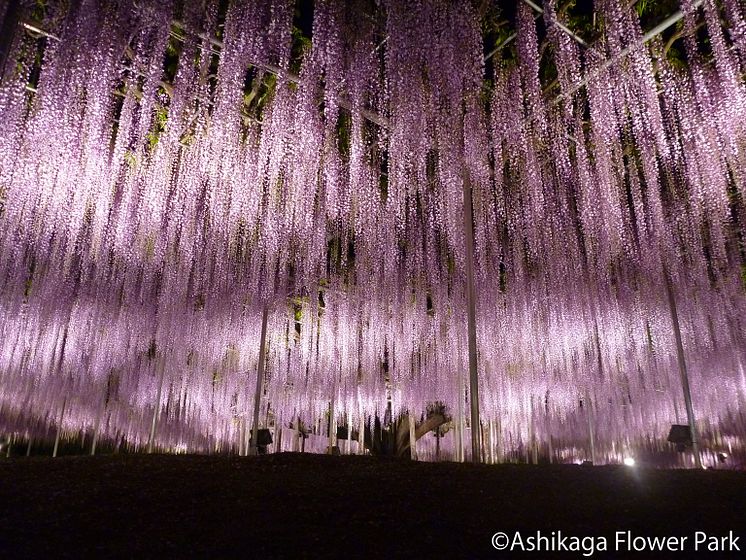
[(173, 173)]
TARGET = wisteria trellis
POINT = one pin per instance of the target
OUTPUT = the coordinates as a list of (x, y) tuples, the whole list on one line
[(143, 226)]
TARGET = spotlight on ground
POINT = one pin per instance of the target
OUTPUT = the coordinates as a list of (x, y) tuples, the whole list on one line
[(629, 461)]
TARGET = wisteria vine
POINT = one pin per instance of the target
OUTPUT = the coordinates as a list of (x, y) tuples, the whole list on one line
[(145, 224)]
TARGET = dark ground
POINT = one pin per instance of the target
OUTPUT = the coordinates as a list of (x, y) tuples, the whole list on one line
[(302, 505)]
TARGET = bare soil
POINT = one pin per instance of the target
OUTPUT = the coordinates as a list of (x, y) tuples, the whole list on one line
[(294, 505)]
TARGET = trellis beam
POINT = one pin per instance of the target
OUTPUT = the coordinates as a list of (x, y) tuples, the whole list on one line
[(382, 121), (556, 22), (647, 37)]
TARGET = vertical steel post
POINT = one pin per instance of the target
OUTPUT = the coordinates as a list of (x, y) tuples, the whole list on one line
[(349, 435), (259, 382), (59, 428), (332, 424), (471, 321), (361, 434), (682, 369), (157, 409), (591, 432), (412, 438), (459, 435)]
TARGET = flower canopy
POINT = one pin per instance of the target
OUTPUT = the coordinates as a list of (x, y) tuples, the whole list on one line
[(170, 169)]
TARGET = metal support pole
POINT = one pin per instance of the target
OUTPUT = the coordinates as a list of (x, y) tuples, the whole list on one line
[(332, 425), (259, 382), (412, 439), (471, 322), (459, 425), (361, 434), (241, 435), (591, 432), (59, 429), (682, 369), (349, 434), (498, 441), (588, 402), (534, 443), (487, 439), (157, 409)]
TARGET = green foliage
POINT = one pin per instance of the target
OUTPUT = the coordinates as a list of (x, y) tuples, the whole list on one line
[(149, 247), (301, 45), (159, 125), (641, 7), (490, 21), (171, 61), (39, 10), (259, 90), (495, 29), (582, 22), (651, 12), (130, 159)]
